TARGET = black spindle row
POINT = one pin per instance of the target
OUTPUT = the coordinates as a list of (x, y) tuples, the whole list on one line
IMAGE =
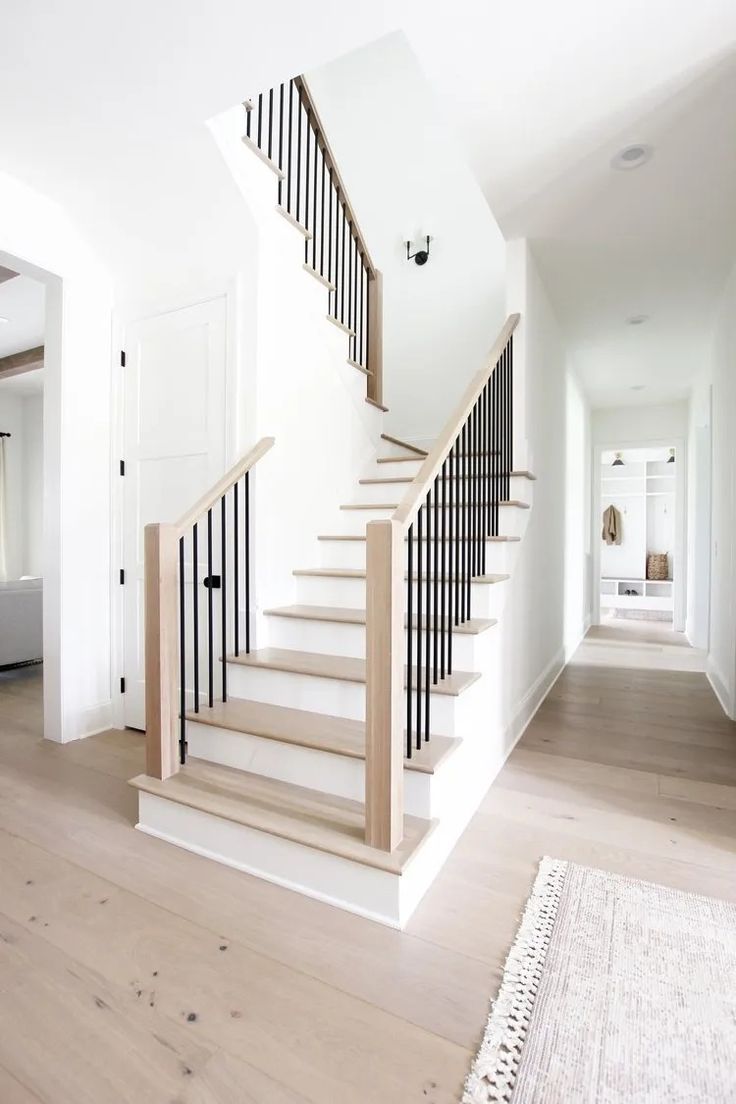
[(205, 618), (446, 544), (283, 124)]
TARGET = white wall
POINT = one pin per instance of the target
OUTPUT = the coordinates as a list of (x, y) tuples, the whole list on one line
[(22, 417), (722, 656), (548, 607), (406, 177), (33, 483), (618, 426), (37, 239), (700, 473)]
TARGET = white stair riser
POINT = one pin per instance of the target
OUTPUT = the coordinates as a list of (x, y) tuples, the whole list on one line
[(329, 590), (322, 695), (500, 555), (325, 771), (512, 520), (335, 638), (402, 470), (394, 492)]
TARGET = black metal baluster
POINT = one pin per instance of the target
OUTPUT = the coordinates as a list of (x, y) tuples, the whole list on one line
[(342, 268), (223, 592), (195, 612), (307, 182), (361, 358), (462, 496), (471, 488), (260, 119), (314, 202), (281, 137), (470, 534), (289, 132), (350, 282), (366, 362), (496, 447), (246, 515), (298, 158), (443, 568), (331, 189), (210, 635), (322, 223), (428, 616), (236, 573), (356, 320), (436, 628), (270, 123), (451, 554), (458, 522), (410, 633), (419, 633), (511, 408), (182, 660), (248, 113)]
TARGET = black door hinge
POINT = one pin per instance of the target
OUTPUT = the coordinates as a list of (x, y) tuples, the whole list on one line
[(122, 576), (122, 358), (122, 467), (122, 686)]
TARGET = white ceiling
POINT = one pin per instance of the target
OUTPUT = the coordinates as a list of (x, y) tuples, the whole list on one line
[(540, 96), (22, 302)]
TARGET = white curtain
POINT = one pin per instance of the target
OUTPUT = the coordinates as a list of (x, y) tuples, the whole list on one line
[(3, 515)]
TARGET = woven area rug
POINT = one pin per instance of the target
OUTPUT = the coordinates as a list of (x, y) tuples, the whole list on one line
[(615, 992)]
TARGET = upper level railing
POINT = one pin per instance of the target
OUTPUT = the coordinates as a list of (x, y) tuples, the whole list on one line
[(186, 626), (285, 125), (420, 567)]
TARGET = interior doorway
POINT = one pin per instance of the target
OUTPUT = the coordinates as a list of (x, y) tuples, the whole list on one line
[(22, 344)]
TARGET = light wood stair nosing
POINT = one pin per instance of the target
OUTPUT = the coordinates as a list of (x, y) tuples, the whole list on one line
[(340, 325), (316, 731), (358, 573), (343, 615), (339, 669), (422, 453), (318, 276), (361, 537), (253, 147), (306, 234)]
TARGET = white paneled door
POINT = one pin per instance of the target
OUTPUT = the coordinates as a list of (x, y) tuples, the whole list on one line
[(174, 446)]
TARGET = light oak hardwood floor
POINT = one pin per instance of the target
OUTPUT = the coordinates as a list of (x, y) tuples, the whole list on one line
[(131, 971)]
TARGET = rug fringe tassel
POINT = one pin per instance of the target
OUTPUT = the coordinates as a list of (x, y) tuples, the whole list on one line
[(494, 1070)]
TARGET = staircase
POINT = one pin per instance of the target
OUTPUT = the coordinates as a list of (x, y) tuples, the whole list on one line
[(343, 755)]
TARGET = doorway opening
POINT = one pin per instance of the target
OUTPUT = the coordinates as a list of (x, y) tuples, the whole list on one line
[(22, 345)]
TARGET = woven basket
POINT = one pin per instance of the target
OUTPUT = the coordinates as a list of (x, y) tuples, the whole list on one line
[(657, 567)]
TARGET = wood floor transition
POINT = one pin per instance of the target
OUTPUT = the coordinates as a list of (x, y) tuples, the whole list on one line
[(134, 971)]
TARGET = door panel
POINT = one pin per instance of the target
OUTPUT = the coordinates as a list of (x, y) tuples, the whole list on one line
[(174, 434)]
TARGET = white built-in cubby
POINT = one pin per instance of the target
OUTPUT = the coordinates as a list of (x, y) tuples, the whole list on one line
[(643, 490)]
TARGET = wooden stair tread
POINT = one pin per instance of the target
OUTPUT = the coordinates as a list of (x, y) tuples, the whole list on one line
[(254, 148), (341, 668), (346, 616), (360, 573), (322, 821), (461, 505), (404, 444), (319, 731), (399, 459), (306, 234), (524, 474), (378, 405), (361, 537)]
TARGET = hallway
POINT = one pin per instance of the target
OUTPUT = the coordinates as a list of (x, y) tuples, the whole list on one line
[(228, 989)]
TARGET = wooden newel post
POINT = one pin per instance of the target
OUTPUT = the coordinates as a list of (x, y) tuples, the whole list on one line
[(384, 751), (375, 337), (162, 649)]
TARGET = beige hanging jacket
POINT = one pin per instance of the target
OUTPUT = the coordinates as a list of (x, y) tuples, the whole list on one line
[(611, 526)]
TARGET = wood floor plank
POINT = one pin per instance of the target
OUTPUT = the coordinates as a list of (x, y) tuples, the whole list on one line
[(627, 767)]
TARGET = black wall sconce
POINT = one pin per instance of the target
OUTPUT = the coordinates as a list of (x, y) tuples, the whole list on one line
[(421, 256)]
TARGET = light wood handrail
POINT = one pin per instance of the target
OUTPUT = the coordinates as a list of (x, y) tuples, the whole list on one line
[(200, 508), (411, 503), (384, 761), (161, 567)]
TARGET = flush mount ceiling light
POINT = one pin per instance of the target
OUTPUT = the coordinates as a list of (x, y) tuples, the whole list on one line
[(618, 461), (637, 319), (632, 157)]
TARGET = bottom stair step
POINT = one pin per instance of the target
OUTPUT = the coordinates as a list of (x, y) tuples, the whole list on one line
[(333, 825), (318, 731)]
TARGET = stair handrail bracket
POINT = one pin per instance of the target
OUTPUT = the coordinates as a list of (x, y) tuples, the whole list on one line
[(419, 568), (167, 632)]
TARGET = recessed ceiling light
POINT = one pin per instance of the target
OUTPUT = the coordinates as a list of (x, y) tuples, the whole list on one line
[(632, 157), (637, 319), (637, 387)]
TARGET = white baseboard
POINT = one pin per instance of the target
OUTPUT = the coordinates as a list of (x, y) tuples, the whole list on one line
[(90, 723), (535, 695), (715, 678)]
